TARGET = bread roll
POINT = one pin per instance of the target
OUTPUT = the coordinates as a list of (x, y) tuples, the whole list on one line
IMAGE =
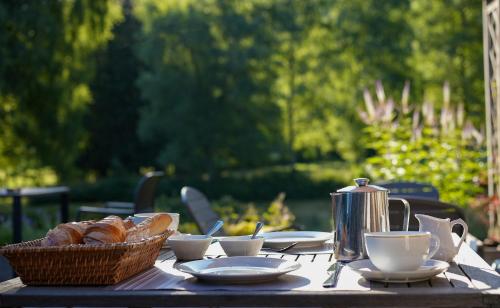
[(151, 226), (128, 223), (108, 230), (66, 234)]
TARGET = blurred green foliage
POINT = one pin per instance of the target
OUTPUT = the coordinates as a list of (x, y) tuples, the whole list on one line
[(240, 219), (207, 85), (111, 120), (100, 88), (37, 219), (247, 98), (447, 45), (46, 66), (425, 144), (309, 181)]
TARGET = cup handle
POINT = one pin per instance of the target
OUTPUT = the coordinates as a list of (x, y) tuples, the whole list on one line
[(466, 230), (435, 247), (406, 217)]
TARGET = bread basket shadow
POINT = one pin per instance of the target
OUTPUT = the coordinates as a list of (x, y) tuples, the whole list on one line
[(82, 264)]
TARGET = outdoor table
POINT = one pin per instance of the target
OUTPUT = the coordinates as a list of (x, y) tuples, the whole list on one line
[(17, 194), (469, 282)]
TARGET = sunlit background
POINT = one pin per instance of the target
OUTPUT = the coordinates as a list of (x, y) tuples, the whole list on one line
[(242, 99)]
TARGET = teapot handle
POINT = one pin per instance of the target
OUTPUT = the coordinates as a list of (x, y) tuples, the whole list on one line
[(406, 217), (466, 230), (435, 247)]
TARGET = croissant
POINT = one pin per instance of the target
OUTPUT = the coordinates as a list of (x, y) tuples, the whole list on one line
[(151, 226), (108, 230), (66, 234)]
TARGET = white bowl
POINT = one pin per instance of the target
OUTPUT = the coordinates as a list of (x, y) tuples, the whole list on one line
[(189, 247), (241, 245), (140, 217)]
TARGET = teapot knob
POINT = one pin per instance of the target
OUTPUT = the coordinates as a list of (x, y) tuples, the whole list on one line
[(361, 181)]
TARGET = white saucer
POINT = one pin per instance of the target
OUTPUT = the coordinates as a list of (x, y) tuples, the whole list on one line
[(430, 269), (238, 269), (303, 239)]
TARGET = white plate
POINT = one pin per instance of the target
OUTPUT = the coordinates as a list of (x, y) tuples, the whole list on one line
[(304, 239), (430, 269), (238, 269)]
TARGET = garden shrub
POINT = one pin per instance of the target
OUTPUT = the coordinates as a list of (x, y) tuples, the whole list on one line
[(424, 143), (240, 219)]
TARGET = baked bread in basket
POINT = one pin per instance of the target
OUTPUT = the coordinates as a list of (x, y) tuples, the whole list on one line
[(90, 253)]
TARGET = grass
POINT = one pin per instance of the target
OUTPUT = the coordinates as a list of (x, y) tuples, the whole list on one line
[(317, 171), (312, 214)]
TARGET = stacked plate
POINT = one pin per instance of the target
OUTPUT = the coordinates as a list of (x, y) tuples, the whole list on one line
[(304, 239)]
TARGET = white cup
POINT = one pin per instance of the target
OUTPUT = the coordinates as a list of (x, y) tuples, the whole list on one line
[(189, 247), (400, 250), (140, 217), (241, 245)]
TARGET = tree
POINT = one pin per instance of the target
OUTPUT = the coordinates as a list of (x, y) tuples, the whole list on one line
[(327, 51), (447, 45), (292, 23), (207, 85), (112, 117), (44, 73)]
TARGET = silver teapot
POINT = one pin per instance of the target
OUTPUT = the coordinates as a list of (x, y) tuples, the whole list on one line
[(359, 209)]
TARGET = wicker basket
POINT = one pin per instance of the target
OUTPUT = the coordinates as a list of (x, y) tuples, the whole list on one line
[(82, 264)]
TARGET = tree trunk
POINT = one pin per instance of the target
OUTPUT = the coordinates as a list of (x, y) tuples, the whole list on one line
[(290, 106)]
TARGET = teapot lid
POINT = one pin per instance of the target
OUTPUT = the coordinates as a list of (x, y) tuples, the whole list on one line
[(362, 187)]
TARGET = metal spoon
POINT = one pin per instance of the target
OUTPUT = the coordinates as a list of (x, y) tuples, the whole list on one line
[(258, 226), (216, 227)]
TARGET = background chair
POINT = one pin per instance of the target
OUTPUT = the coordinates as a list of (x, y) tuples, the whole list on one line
[(411, 189), (201, 210), (199, 207), (422, 206), (144, 196)]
